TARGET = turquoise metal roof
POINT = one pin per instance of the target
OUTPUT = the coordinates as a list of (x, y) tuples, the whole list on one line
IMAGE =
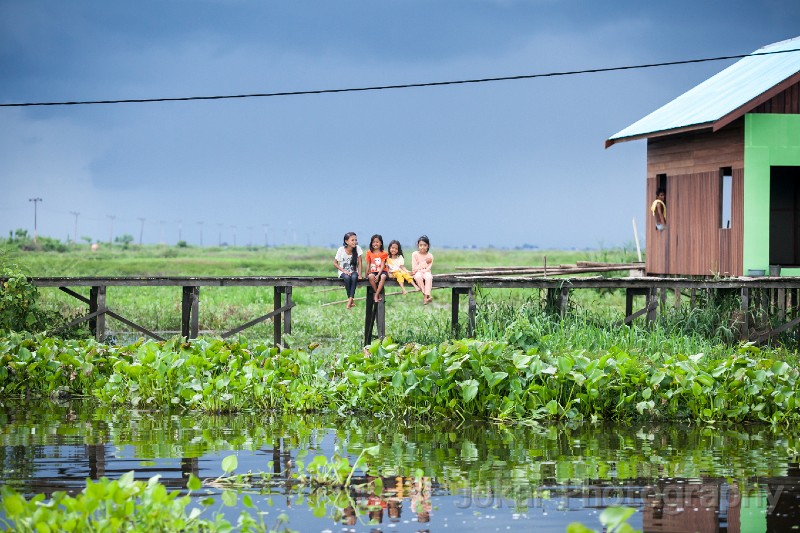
[(721, 94)]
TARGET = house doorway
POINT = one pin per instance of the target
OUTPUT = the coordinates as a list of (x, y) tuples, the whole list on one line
[(784, 216)]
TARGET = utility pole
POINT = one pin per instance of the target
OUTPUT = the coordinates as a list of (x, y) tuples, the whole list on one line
[(141, 230), (180, 230), (75, 235), (234, 234), (111, 230), (219, 237), (35, 214), (201, 233), (266, 244)]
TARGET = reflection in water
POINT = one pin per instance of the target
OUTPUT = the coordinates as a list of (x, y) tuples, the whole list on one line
[(471, 477)]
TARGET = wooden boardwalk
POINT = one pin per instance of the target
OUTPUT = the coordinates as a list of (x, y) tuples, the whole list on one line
[(783, 292)]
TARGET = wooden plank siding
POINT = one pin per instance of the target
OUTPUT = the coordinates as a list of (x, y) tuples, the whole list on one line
[(694, 243), (785, 102)]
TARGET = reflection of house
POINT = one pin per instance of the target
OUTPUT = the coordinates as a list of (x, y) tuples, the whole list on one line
[(728, 154), (677, 507)]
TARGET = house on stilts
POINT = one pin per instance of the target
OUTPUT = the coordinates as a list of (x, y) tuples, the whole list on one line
[(727, 153)]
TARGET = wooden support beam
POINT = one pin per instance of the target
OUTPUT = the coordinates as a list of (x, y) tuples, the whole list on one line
[(744, 332), (777, 331), (190, 306), (135, 326), (287, 314), (276, 323), (471, 307), (255, 321), (105, 311), (375, 314), (75, 295), (563, 301), (630, 293), (381, 318), (646, 309), (454, 311), (97, 301), (369, 315), (83, 318), (781, 304), (652, 304)]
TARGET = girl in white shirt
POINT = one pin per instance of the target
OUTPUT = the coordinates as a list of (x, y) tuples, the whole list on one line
[(348, 263)]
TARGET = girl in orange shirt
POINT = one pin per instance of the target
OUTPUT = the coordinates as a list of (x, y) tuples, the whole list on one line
[(376, 263)]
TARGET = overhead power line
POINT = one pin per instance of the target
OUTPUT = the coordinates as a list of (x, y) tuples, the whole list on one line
[(400, 86)]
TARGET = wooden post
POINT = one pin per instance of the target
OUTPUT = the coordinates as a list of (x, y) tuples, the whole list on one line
[(454, 312), (745, 305), (651, 301), (629, 293), (563, 301), (381, 317), (369, 315), (471, 314), (551, 301), (781, 304), (190, 307), (276, 321), (97, 301), (287, 315), (677, 294)]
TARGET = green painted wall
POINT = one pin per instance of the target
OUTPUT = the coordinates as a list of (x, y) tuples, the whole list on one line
[(769, 140)]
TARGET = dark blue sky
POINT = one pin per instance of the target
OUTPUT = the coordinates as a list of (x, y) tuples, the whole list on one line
[(500, 164)]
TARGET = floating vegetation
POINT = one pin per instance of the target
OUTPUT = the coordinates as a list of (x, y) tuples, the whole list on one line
[(492, 380)]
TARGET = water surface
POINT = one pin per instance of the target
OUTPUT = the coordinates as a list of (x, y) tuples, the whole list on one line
[(436, 477)]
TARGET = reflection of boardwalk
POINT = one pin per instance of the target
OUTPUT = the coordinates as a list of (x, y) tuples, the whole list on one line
[(93, 464)]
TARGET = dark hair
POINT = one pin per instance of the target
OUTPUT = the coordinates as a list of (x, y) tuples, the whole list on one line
[(399, 247), (376, 236), (354, 252), (424, 238), (660, 190)]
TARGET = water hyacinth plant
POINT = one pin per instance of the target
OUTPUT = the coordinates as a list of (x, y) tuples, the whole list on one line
[(492, 380)]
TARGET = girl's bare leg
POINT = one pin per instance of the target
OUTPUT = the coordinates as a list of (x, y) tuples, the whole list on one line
[(374, 286), (427, 286), (418, 277), (381, 282), (401, 282)]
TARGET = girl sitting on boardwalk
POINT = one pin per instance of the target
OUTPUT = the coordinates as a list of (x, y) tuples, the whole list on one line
[(348, 263), (397, 267), (421, 262), (376, 259)]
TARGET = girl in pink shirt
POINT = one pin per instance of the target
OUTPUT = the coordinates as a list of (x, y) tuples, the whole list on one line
[(421, 262)]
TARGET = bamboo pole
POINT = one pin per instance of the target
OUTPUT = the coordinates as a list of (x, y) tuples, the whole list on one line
[(395, 293)]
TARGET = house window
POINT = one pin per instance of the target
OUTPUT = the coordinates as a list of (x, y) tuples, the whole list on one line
[(726, 197), (661, 181)]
